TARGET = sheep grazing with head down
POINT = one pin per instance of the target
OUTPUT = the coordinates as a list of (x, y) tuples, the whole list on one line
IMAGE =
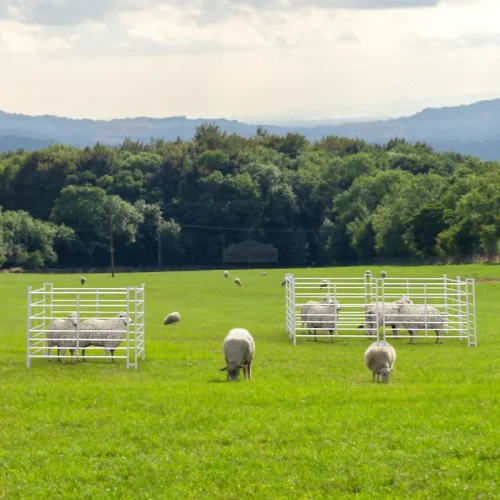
[(239, 351), (106, 333), (321, 315), (237, 281), (374, 316), (380, 358), (263, 274), (64, 337), (83, 280), (172, 318), (226, 274), (418, 317), (324, 284)]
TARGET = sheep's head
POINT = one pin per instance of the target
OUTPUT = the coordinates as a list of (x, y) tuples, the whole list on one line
[(125, 317), (385, 373), (405, 299), (73, 317), (233, 372)]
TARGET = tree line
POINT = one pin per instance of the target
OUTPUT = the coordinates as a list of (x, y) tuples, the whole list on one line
[(332, 202)]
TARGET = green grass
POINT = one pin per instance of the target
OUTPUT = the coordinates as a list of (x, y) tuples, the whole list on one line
[(310, 424)]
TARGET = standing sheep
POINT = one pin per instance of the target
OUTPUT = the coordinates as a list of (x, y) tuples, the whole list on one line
[(60, 337), (380, 358), (417, 317), (83, 280), (374, 314), (173, 317), (263, 274), (239, 350), (237, 281), (110, 340), (226, 274), (321, 315)]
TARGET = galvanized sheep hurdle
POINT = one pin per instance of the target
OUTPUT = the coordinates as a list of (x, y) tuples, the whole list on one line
[(49, 303), (453, 297)]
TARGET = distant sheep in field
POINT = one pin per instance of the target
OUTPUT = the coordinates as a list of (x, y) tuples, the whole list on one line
[(321, 315), (226, 274), (380, 358), (56, 338), (415, 318), (374, 317), (83, 280), (237, 281), (263, 274), (324, 284), (109, 340), (173, 317), (239, 351)]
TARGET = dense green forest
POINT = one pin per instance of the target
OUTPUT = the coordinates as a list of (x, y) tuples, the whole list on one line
[(333, 202)]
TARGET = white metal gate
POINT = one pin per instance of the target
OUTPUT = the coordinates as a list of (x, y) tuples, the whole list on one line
[(49, 303), (453, 297)]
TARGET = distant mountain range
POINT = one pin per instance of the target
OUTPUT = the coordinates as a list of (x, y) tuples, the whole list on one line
[(469, 129)]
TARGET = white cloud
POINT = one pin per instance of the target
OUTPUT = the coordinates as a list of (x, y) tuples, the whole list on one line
[(17, 38)]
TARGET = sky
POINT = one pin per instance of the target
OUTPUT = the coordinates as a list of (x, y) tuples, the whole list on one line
[(246, 59)]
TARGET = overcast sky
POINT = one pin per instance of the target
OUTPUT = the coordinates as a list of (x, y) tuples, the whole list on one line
[(246, 58)]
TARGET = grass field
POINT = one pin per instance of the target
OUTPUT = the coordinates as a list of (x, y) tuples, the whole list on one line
[(310, 424)]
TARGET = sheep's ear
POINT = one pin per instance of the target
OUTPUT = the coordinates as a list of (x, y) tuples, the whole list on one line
[(223, 369)]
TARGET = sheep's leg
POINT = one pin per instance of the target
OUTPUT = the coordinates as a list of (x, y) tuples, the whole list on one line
[(107, 353), (112, 356), (373, 377), (49, 353), (59, 355), (249, 370), (83, 356), (439, 340)]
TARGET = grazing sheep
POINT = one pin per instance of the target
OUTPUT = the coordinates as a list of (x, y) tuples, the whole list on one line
[(374, 317), (237, 281), (83, 280), (416, 317), (226, 274), (173, 317), (60, 338), (110, 340), (324, 284), (239, 350), (263, 274), (321, 315), (383, 274), (380, 358)]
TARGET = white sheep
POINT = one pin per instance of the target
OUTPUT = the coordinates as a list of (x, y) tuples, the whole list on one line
[(324, 284), (173, 317), (226, 274), (237, 281), (263, 274), (321, 315), (61, 338), (239, 351), (380, 358), (417, 317), (109, 340), (83, 280), (374, 314)]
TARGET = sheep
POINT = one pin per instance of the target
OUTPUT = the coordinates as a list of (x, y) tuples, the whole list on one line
[(380, 358), (283, 282), (237, 281), (60, 338), (83, 280), (263, 274), (173, 317), (383, 274), (322, 315), (374, 316), (416, 317), (239, 351), (226, 274), (109, 340), (324, 284)]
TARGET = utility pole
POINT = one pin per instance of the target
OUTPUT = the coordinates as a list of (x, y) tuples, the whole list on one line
[(111, 248), (159, 248)]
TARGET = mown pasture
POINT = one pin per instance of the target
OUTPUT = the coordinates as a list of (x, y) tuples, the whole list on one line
[(310, 424)]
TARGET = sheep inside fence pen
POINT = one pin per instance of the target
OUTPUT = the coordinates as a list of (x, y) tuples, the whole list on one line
[(367, 308), (70, 320)]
